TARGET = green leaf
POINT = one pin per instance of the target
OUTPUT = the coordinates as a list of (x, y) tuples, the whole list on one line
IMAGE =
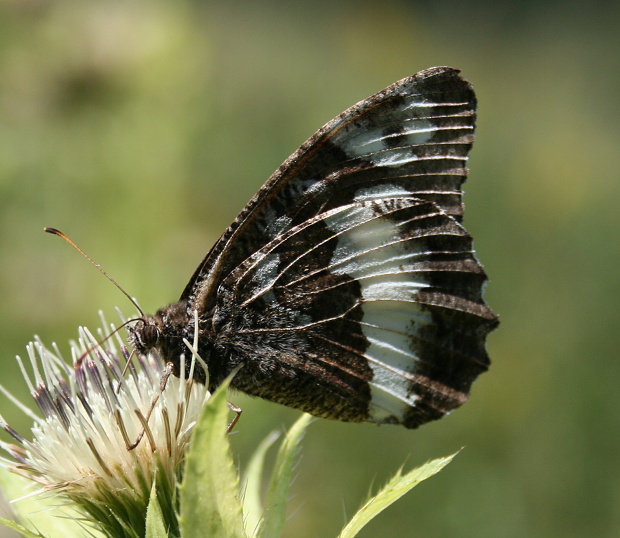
[(252, 503), (19, 528), (392, 491), (209, 494), (277, 492), (40, 511), (155, 524)]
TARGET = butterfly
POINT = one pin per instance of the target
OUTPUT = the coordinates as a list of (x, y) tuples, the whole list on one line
[(348, 287)]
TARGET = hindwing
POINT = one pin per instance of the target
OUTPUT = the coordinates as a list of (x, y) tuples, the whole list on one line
[(377, 302)]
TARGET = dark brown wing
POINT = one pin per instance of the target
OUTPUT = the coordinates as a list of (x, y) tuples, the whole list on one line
[(415, 134), (369, 311)]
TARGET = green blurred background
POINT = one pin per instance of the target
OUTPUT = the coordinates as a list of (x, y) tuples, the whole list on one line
[(142, 128)]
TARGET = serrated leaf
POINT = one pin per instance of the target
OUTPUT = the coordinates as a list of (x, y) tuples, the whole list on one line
[(209, 494), (280, 483), (155, 524), (252, 503), (392, 491)]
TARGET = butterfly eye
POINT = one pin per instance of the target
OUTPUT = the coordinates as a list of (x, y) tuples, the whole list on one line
[(144, 336), (149, 336)]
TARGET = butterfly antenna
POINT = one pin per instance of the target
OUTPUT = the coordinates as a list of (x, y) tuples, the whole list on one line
[(54, 231), (92, 348)]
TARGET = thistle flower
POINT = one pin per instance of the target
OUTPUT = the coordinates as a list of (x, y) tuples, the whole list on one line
[(91, 414)]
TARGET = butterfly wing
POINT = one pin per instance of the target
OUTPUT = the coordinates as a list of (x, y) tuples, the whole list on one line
[(370, 311), (348, 287), (414, 135)]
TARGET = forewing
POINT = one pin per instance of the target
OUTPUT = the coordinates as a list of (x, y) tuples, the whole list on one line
[(409, 140), (368, 311)]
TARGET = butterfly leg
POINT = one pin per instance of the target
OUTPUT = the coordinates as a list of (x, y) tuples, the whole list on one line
[(144, 419), (238, 411)]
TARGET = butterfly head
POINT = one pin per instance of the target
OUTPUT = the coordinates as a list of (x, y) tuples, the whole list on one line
[(164, 332), (145, 334)]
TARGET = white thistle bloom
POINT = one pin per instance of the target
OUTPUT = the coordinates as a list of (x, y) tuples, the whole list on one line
[(91, 413)]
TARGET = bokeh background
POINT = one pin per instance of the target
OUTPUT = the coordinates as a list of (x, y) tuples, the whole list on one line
[(141, 128)]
